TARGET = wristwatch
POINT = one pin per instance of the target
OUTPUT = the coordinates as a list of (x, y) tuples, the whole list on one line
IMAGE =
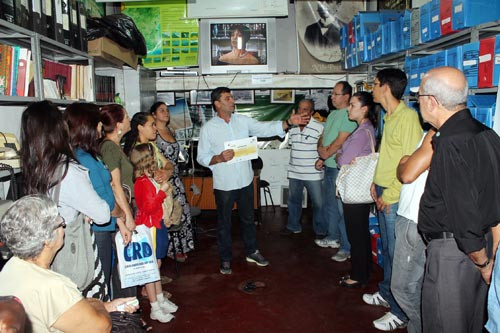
[(288, 123)]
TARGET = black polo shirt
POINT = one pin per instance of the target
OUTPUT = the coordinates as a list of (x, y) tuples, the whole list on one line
[(462, 193)]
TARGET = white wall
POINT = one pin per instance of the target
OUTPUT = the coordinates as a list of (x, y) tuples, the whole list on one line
[(10, 119)]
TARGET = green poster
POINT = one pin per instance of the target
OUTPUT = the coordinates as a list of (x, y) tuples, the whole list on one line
[(171, 39)]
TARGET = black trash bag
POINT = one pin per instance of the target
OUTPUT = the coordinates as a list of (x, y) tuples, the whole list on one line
[(96, 28), (119, 28)]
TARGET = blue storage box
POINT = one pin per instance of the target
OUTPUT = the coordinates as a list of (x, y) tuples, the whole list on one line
[(365, 48), (485, 116), (440, 59), (425, 65), (377, 39), (406, 27), (407, 70), (455, 56), (470, 63), (386, 38), (343, 36), (425, 22), (468, 13), (435, 17), (496, 65), (414, 81), (482, 108)]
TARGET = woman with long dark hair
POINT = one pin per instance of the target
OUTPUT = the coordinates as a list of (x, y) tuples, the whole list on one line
[(361, 110), (169, 147), (84, 124), (50, 167)]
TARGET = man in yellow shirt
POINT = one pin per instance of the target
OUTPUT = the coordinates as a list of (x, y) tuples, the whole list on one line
[(402, 133)]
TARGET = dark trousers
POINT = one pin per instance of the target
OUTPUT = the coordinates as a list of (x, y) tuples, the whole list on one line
[(104, 243), (453, 292), (356, 222), (244, 201)]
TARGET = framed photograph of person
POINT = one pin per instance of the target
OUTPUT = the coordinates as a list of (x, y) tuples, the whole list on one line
[(166, 97), (243, 96), (200, 97), (285, 96)]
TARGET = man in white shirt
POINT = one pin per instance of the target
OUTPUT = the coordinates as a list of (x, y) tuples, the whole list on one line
[(302, 173), (232, 182)]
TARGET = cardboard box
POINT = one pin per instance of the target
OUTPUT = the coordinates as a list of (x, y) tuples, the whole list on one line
[(415, 27), (441, 59), (110, 51), (414, 81)]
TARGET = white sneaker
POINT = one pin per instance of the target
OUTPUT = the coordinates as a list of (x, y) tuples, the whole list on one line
[(161, 316), (375, 299), (341, 256), (388, 322), (168, 306), (333, 243)]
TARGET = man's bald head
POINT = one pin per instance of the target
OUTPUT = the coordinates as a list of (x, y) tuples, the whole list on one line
[(448, 85)]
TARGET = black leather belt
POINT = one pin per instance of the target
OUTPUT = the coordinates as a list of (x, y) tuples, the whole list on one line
[(428, 236)]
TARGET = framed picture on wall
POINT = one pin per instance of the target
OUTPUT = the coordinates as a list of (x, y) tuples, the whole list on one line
[(166, 97), (200, 97), (305, 92), (285, 96), (243, 96)]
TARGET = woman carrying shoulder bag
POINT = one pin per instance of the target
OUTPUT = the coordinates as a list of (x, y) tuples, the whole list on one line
[(49, 167), (360, 143)]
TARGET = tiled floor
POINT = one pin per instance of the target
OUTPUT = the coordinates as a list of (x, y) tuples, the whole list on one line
[(301, 294)]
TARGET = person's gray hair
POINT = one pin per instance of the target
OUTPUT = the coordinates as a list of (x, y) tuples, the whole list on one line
[(309, 100), (450, 97), (28, 224)]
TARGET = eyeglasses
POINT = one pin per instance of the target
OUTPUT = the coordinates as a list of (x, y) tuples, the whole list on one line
[(62, 224), (418, 95)]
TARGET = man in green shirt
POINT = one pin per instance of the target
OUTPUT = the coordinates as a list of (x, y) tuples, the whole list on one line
[(402, 133), (337, 129)]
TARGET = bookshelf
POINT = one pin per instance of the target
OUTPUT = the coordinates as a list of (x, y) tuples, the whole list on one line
[(45, 49)]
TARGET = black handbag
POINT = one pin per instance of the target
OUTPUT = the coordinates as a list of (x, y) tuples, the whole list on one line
[(124, 322)]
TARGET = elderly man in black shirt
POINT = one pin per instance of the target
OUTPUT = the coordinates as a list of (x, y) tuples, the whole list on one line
[(459, 208)]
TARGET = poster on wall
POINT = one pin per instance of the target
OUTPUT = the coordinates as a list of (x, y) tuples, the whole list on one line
[(318, 26), (171, 39)]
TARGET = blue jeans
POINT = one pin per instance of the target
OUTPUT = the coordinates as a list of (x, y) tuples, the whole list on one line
[(244, 201), (314, 189), (333, 212), (408, 271), (387, 222)]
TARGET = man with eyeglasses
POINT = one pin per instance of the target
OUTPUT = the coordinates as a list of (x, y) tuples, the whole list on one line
[(402, 132), (460, 207), (337, 129)]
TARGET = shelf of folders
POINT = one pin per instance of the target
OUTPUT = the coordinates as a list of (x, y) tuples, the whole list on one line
[(35, 67)]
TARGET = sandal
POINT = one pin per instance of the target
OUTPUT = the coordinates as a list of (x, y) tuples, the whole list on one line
[(355, 284)]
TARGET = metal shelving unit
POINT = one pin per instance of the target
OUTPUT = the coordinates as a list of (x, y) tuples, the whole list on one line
[(42, 48), (460, 37)]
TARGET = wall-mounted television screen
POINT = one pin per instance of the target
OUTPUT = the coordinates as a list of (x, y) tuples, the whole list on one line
[(238, 45)]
